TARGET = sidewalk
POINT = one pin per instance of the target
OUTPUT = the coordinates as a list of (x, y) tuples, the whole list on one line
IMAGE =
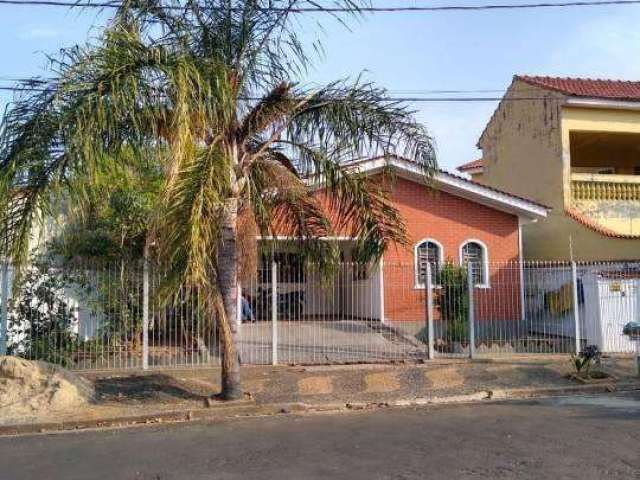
[(178, 395)]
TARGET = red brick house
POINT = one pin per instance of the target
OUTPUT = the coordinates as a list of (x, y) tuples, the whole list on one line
[(453, 219)]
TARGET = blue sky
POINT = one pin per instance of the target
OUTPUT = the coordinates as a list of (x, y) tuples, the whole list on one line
[(406, 52)]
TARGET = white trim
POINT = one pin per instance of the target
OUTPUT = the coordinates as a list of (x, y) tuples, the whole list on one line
[(416, 283), (290, 237), (605, 177), (381, 287), (521, 262), (453, 184), (485, 260), (473, 171), (602, 103)]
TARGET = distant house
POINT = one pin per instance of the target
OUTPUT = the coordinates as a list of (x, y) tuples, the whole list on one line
[(572, 144), (454, 219), (474, 169)]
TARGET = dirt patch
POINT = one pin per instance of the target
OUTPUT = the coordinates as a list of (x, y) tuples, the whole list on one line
[(255, 386), (381, 382), (444, 378), (39, 389), (315, 386)]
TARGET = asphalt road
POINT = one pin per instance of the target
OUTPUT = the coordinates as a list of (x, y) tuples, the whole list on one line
[(582, 438)]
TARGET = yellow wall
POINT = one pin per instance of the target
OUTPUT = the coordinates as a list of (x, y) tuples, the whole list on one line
[(592, 120), (526, 150), (521, 146), (476, 177)]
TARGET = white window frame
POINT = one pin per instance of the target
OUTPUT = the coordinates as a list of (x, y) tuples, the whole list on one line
[(485, 260), (416, 270)]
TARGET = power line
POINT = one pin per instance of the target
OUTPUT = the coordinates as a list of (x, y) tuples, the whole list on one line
[(318, 9), (27, 82), (22, 89)]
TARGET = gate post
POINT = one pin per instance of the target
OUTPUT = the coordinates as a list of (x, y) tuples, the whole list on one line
[(145, 314), (274, 313), (429, 298), (4, 309), (576, 313), (472, 313)]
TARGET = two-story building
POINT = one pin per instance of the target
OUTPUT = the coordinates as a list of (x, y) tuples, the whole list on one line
[(572, 144)]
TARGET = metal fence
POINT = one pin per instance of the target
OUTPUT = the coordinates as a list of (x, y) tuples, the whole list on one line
[(108, 316)]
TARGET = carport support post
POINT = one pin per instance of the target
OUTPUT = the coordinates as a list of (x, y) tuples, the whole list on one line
[(145, 314), (4, 309), (472, 326), (274, 313), (576, 312), (429, 296)]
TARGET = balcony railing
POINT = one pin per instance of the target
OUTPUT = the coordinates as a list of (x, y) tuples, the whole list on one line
[(587, 186)]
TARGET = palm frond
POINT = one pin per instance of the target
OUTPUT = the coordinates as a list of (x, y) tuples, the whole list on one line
[(357, 120)]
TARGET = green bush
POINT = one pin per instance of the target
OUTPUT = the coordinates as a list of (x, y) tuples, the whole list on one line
[(451, 299)]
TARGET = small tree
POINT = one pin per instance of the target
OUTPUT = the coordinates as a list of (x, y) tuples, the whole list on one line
[(41, 321), (453, 301), (107, 235)]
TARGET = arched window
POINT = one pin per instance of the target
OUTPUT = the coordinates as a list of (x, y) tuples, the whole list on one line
[(427, 251), (473, 255)]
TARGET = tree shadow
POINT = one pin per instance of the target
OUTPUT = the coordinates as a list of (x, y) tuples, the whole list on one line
[(146, 388)]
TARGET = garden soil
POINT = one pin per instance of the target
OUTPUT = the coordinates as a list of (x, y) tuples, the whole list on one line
[(29, 388)]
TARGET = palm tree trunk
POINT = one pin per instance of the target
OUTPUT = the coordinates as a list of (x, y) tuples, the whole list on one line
[(228, 287)]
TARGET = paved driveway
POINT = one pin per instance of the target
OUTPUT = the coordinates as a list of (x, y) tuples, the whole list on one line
[(329, 341)]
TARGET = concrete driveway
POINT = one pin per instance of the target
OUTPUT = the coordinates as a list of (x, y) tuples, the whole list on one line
[(328, 341)]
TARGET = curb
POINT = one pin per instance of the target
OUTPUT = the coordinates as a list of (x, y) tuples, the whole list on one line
[(219, 412)]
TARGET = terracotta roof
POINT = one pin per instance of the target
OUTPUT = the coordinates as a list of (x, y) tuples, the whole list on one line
[(595, 226), (587, 87), (465, 167)]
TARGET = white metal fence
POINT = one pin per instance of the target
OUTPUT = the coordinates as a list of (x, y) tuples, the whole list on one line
[(107, 316)]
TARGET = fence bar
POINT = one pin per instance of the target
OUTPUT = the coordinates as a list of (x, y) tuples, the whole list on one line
[(145, 315), (239, 305), (274, 313), (429, 297), (472, 327), (576, 312), (5, 308), (381, 287)]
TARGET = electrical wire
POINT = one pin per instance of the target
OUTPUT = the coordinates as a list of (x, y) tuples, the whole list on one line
[(335, 9)]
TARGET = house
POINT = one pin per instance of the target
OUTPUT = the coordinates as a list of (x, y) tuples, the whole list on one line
[(474, 169), (572, 144), (452, 219)]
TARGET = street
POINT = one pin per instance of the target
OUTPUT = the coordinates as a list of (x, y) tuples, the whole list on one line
[(579, 437)]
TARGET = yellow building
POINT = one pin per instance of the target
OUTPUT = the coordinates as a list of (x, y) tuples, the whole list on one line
[(574, 145)]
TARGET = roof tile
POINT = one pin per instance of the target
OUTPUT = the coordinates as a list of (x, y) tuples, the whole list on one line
[(593, 225), (471, 165), (587, 87)]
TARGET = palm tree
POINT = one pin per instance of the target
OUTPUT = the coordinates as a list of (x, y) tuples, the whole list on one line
[(209, 89)]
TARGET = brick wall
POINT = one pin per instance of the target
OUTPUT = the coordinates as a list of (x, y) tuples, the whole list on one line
[(451, 220)]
